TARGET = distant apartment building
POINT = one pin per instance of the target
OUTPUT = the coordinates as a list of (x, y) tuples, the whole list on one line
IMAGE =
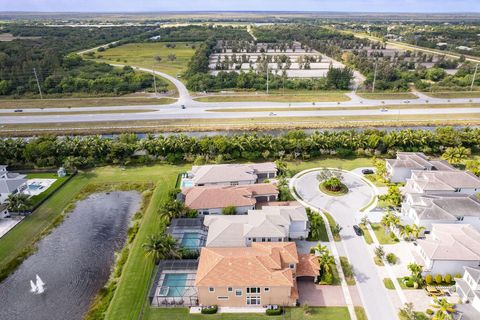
[(209, 200), (230, 174), (270, 224), (449, 248), (263, 274), (400, 169)]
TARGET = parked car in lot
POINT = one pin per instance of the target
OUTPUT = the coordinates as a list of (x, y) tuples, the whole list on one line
[(367, 171), (358, 230)]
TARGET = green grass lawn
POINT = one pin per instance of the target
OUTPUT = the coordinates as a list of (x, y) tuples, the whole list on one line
[(142, 55), (388, 284), (46, 175), (329, 162), (383, 238), (330, 313), (386, 95), (343, 190), (453, 95), (332, 223), (366, 234), (311, 96), (81, 102)]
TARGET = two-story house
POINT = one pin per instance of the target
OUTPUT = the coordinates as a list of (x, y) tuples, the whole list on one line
[(230, 174), (442, 182), (263, 274), (400, 169), (213, 199), (270, 224)]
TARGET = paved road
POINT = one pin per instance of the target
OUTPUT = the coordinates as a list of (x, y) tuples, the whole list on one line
[(344, 209)]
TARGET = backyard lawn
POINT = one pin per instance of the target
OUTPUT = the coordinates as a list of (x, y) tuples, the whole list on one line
[(330, 313), (143, 55), (46, 175)]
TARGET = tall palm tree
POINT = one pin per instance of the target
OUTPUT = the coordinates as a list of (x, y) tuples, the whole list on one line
[(417, 231), (416, 274), (406, 232), (161, 247), (325, 261), (456, 155)]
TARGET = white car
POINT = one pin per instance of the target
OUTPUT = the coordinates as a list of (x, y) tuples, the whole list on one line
[(384, 110), (272, 114)]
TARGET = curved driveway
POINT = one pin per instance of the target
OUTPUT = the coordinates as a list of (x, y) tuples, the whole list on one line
[(345, 210)]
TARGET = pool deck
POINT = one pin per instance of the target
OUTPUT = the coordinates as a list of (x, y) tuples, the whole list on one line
[(7, 224), (44, 183), (189, 291)]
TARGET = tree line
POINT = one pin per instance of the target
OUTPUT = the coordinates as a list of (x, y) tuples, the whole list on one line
[(84, 152), (59, 71)]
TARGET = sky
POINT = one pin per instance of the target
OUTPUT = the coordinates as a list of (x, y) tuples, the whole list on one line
[(424, 6)]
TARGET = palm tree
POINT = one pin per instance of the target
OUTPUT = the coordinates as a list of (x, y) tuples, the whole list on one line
[(444, 308), (406, 232), (325, 261), (161, 247), (417, 231), (319, 249), (456, 155), (18, 202)]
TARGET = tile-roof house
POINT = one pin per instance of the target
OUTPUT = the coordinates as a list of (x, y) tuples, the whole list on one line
[(400, 169), (263, 274), (468, 287), (442, 182), (426, 210), (449, 248), (213, 199), (10, 183), (271, 224), (232, 174)]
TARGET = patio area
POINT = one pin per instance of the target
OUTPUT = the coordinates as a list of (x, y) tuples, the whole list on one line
[(174, 284), (324, 296), (189, 232)]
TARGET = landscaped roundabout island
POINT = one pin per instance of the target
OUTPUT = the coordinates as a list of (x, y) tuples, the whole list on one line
[(331, 183)]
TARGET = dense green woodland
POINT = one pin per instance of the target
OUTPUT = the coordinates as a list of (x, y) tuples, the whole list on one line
[(59, 70), (83, 152)]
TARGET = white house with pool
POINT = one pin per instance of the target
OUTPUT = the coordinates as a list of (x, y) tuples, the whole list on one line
[(10, 183)]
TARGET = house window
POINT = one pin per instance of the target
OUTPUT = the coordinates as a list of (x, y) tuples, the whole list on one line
[(222, 298), (234, 183), (266, 289), (253, 290), (291, 266), (211, 289), (263, 239), (229, 289), (238, 292), (254, 240), (253, 300)]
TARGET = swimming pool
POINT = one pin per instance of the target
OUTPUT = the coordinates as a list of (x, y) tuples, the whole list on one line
[(173, 285), (191, 240), (187, 183), (34, 186)]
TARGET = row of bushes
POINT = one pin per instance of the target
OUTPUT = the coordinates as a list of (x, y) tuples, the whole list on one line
[(441, 280)]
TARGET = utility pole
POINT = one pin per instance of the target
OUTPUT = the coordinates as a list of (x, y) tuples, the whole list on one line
[(154, 82), (375, 76), (474, 76), (267, 76), (38, 83)]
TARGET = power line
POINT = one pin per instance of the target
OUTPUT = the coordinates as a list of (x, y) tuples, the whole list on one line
[(38, 83)]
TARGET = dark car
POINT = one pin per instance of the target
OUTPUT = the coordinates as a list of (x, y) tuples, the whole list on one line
[(367, 171), (358, 230), (183, 106), (18, 110)]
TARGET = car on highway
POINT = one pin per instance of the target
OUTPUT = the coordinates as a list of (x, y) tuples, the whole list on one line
[(18, 110), (272, 114), (406, 101), (358, 230), (367, 171), (183, 106), (384, 110)]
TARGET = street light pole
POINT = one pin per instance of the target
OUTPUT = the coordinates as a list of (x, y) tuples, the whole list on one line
[(38, 83), (474, 76), (267, 76), (375, 76)]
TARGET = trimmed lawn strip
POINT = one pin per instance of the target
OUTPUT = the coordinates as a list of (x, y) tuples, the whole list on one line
[(360, 313), (382, 237), (81, 102), (386, 95), (312, 97), (332, 223), (388, 284), (67, 113), (454, 95), (318, 313), (347, 270), (366, 234), (378, 261)]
